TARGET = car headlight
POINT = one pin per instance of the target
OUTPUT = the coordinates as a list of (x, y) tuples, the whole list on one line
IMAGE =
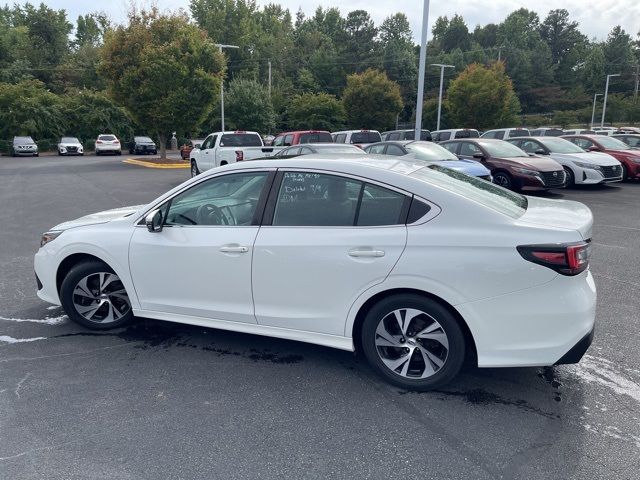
[(526, 171), (49, 237), (588, 165)]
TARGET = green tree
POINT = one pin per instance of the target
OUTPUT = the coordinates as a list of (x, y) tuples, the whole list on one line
[(564, 118), (248, 107), (456, 35), (360, 44), (163, 70), (593, 70), (566, 43), (316, 111), (371, 100), (482, 97)]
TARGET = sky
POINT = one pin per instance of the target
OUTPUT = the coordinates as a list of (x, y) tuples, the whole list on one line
[(596, 17)]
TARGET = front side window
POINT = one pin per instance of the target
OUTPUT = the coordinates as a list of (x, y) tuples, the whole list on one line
[(519, 132), (227, 200), (395, 150), (394, 136), (379, 149), (582, 143), (279, 141), (468, 149), (444, 136), (341, 137), (530, 146), (322, 200)]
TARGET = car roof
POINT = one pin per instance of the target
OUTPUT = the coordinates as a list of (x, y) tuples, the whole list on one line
[(303, 131), (356, 131)]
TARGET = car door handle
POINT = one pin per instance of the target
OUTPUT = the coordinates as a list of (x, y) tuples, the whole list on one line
[(234, 249), (366, 252)]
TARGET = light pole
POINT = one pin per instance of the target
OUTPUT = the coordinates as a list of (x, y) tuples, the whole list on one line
[(593, 111), (421, 69), (221, 46), (606, 94), (442, 67)]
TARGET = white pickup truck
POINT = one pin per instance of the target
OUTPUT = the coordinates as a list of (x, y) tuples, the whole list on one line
[(221, 148)]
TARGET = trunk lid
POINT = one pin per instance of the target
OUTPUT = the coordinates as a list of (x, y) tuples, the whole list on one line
[(565, 214)]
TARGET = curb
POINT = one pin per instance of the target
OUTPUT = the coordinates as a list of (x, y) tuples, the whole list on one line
[(143, 163)]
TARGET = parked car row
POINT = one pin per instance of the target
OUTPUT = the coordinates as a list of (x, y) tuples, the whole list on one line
[(105, 143)]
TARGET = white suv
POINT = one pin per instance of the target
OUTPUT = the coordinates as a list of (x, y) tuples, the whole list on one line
[(506, 133), (107, 143), (361, 138), (454, 133)]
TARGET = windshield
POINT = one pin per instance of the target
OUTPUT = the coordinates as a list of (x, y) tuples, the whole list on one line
[(560, 145), (477, 190), (338, 149), (316, 137), (365, 137), (143, 139), (108, 138), (430, 152), (612, 143), (502, 149), (69, 140), (241, 140), (23, 140)]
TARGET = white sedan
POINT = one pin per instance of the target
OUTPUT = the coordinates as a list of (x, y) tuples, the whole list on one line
[(417, 266), (581, 167)]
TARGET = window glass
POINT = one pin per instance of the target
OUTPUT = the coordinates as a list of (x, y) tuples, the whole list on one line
[(582, 142), (468, 149), (241, 140), (278, 141), (394, 150), (480, 191), (316, 137), (501, 149), (394, 136), (226, 200), (519, 132), (142, 139), (375, 149), (444, 136), (452, 146), (560, 145), (380, 206), (613, 144), (340, 138), (499, 135), (365, 137), (536, 133), (288, 139), (530, 146), (429, 152), (333, 148), (293, 151), (305, 151), (69, 140), (107, 138), (632, 141), (417, 211), (316, 199), (467, 133)]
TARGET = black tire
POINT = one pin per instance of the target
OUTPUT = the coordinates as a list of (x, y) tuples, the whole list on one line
[(453, 359), (503, 179), (570, 180), (75, 275), (97, 153), (36, 154), (194, 169)]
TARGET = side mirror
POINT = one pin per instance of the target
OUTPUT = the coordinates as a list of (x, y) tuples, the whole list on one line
[(197, 145), (154, 221), (593, 148), (478, 156), (540, 152)]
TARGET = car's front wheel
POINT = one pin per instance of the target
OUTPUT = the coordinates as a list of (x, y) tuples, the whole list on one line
[(194, 169), (413, 342), (570, 178), (94, 296), (503, 179)]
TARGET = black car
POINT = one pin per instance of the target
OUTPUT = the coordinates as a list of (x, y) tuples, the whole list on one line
[(143, 145)]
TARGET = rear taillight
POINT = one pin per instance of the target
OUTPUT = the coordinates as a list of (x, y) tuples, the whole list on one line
[(116, 141), (98, 141), (567, 259), (239, 155)]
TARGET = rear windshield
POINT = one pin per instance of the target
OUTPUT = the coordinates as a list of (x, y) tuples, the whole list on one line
[(365, 137), (425, 135), (241, 140), (69, 140), (143, 139), (108, 138), (431, 152), (316, 137), (467, 134), (23, 140), (480, 191)]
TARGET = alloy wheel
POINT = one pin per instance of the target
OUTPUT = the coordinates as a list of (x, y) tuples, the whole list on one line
[(101, 298), (411, 343)]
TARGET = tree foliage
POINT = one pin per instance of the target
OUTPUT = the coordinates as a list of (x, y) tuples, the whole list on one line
[(316, 111), (163, 70), (483, 97), (371, 100), (247, 106)]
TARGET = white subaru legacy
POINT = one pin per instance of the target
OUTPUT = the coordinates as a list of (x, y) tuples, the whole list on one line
[(418, 267)]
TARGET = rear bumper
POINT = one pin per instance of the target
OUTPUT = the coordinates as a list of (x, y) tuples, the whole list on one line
[(578, 350)]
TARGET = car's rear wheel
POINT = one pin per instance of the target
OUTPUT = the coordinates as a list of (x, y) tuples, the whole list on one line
[(194, 169), (94, 296), (503, 179), (413, 342), (571, 179)]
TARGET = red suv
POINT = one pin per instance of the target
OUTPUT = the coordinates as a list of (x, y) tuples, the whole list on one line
[(286, 139), (510, 167), (625, 154)]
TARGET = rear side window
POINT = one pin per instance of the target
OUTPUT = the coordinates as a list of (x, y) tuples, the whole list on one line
[(365, 137), (467, 134), (394, 150), (469, 149), (452, 147), (394, 136), (444, 136), (520, 132), (240, 140), (316, 137), (322, 200), (376, 149), (340, 138)]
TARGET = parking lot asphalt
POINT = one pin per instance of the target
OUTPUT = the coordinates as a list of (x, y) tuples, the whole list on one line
[(160, 400)]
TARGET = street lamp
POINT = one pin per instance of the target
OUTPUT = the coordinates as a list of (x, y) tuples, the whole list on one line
[(421, 69), (221, 46), (442, 67), (593, 111), (606, 94)]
